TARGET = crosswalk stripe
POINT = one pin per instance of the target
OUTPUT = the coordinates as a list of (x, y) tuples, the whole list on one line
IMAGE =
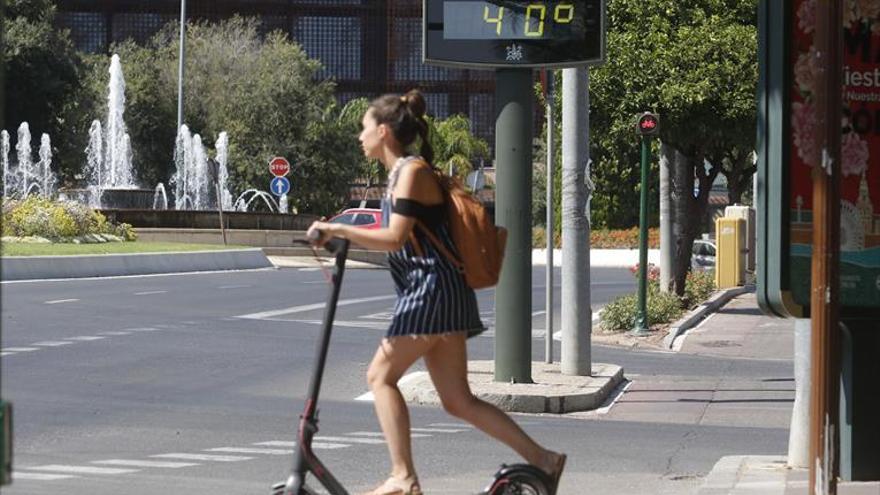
[(323, 439), (114, 333), (437, 430), (19, 349), (203, 457), (145, 464), (52, 343), (249, 450), (20, 475), (59, 301), (62, 468), (6, 354), (450, 425), (86, 338), (144, 329), (380, 434)]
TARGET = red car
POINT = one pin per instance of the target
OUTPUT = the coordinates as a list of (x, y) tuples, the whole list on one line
[(365, 218)]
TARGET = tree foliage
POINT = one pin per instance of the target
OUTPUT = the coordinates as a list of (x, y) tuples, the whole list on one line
[(263, 91), (455, 146), (41, 70)]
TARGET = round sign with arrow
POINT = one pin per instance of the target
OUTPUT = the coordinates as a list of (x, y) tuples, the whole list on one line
[(279, 186)]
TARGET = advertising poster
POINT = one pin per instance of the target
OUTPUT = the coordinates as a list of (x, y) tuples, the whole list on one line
[(860, 150)]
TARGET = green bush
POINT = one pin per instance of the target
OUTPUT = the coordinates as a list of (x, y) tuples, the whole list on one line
[(620, 314), (698, 287), (56, 220)]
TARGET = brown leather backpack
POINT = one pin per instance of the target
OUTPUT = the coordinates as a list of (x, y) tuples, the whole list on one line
[(479, 242)]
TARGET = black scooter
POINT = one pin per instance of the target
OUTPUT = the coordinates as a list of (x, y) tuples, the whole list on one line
[(515, 479)]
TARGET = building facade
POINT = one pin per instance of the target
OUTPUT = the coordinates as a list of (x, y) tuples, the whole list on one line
[(369, 47)]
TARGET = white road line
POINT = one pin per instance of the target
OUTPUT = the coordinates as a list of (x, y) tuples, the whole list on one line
[(437, 430), (375, 441), (249, 450), (311, 307), (144, 329), (372, 325), (380, 434), (114, 333), (86, 338), (368, 397), (450, 425), (150, 292), (52, 343), (6, 354), (59, 301), (63, 468), (203, 457), (146, 464), (20, 475), (20, 349), (317, 444)]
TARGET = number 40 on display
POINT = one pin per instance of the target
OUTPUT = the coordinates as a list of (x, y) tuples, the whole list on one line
[(562, 14)]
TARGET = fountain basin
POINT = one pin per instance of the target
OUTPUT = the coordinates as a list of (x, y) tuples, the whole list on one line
[(114, 198), (201, 219)]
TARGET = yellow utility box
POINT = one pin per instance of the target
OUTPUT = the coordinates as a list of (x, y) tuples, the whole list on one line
[(730, 258)]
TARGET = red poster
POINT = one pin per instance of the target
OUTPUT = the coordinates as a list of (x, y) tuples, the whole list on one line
[(860, 147)]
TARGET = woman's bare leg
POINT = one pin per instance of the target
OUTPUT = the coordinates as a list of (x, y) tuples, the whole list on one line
[(447, 364), (392, 359)]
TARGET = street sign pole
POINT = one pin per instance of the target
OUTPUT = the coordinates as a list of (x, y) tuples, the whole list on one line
[(513, 204), (646, 127), (825, 293), (550, 227)]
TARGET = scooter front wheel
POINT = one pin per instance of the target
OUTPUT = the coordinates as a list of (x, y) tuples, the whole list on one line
[(519, 483)]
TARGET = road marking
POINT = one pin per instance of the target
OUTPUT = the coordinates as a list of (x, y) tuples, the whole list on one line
[(450, 425), (324, 439), (59, 301), (146, 464), (113, 333), (6, 353), (380, 434), (372, 325), (437, 430), (317, 445), (20, 349), (86, 338), (311, 307), (19, 475), (150, 292), (203, 457), (144, 329), (368, 397), (234, 286), (52, 343), (61, 468), (249, 450)]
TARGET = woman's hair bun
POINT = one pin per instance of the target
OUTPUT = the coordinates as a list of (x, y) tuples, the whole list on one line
[(415, 102)]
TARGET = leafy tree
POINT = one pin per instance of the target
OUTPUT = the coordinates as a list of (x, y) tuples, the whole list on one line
[(262, 91), (41, 71), (455, 146), (695, 65)]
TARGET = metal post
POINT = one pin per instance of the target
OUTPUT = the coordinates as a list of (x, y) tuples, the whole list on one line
[(551, 156), (577, 314), (180, 64), (513, 210), (825, 294), (641, 327)]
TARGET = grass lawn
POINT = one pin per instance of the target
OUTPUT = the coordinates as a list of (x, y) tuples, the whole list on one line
[(27, 249)]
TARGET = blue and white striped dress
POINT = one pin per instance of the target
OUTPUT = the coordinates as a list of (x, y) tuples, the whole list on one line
[(432, 295)]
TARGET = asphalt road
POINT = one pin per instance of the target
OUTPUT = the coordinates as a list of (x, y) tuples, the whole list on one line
[(192, 384)]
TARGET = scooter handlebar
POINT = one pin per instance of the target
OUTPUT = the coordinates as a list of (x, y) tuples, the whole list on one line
[(334, 245)]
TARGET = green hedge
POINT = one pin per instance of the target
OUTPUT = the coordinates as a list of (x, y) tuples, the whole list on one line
[(37, 216)]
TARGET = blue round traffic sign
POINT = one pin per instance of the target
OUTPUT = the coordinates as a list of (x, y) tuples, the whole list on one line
[(279, 186)]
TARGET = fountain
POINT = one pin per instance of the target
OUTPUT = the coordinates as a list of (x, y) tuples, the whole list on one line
[(222, 148), (8, 178), (23, 149), (242, 203), (160, 193), (48, 178)]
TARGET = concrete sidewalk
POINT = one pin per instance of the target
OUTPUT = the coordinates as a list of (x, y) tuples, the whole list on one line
[(769, 475)]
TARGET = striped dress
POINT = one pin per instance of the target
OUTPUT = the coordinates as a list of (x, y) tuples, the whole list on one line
[(432, 296)]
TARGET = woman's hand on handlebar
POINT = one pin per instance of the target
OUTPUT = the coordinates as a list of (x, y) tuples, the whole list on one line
[(321, 232)]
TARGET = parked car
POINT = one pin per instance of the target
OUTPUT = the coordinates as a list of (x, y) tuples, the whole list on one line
[(365, 218), (703, 255)]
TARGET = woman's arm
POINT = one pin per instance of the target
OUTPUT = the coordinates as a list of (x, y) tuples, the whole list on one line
[(415, 182)]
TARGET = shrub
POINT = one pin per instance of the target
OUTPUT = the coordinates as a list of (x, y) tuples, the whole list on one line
[(620, 314), (698, 286), (57, 220)]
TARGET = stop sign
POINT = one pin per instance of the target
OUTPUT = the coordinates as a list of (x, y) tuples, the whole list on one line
[(279, 166)]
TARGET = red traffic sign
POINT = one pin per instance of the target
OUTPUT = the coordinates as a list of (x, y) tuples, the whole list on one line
[(279, 166), (648, 124)]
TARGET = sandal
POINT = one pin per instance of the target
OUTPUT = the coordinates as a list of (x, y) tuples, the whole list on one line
[(557, 473), (397, 486)]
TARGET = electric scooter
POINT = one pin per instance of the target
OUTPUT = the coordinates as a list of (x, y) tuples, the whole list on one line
[(514, 479)]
